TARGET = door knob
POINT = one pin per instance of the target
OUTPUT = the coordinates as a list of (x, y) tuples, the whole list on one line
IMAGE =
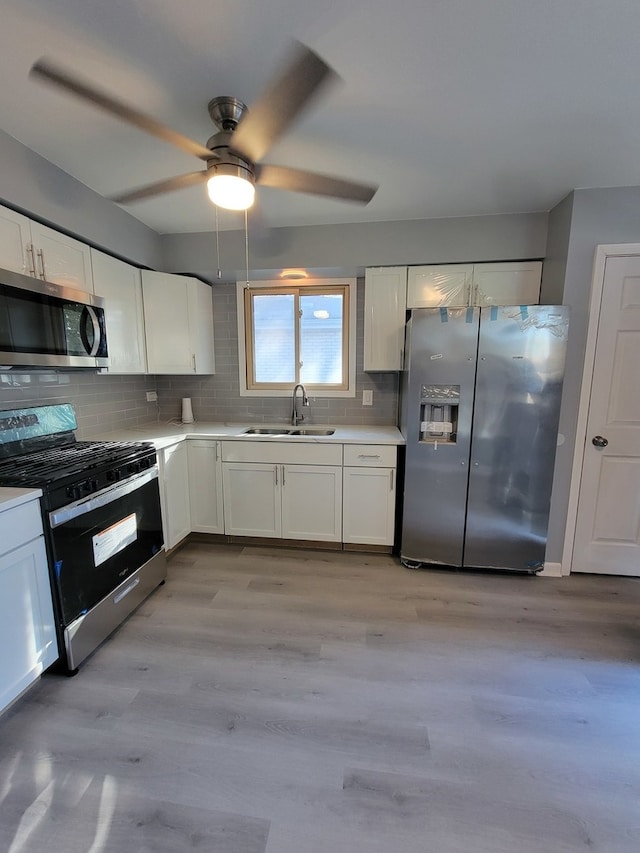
[(599, 441)]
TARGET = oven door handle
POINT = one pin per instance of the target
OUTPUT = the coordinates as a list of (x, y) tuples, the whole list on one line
[(106, 496)]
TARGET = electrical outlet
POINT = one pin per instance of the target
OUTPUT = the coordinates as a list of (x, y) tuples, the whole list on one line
[(367, 397), (152, 397)]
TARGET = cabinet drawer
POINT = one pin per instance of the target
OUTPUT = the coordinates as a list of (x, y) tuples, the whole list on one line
[(370, 455), (287, 452), (19, 525)]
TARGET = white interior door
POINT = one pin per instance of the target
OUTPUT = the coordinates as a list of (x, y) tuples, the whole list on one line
[(607, 538)]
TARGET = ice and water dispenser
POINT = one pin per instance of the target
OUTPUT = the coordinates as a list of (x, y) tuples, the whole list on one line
[(439, 414)]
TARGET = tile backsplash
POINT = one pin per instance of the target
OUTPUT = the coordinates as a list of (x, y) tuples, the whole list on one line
[(217, 397), (104, 402)]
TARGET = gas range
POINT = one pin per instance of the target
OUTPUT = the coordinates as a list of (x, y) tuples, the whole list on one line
[(101, 517), (75, 469)]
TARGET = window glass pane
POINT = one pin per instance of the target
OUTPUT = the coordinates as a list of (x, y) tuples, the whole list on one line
[(321, 338), (274, 338)]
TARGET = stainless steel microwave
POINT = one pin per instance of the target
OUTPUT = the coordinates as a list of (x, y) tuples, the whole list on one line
[(48, 325)]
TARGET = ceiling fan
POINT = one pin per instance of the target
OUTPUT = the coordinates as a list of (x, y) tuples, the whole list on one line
[(234, 155)]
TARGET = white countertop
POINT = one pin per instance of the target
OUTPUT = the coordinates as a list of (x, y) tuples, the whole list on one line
[(10, 497), (163, 435)]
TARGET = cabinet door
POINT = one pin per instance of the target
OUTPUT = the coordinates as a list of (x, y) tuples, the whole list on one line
[(178, 320), (174, 482), (385, 305), (120, 285), (15, 242), (515, 283), (312, 502), (200, 297), (205, 486), (251, 499), (439, 285), (369, 505), (62, 259), (166, 323), (27, 632)]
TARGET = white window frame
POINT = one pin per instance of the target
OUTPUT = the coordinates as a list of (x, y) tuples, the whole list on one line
[(351, 284)]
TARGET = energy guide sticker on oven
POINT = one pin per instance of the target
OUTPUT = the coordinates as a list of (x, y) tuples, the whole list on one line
[(115, 538)]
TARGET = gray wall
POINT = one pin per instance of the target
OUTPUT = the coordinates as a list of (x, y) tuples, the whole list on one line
[(597, 216), (31, 184), (348, 249), (218, 397), (34, 186)]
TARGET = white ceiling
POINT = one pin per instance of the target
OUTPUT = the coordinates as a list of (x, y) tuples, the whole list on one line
[(454, 107)]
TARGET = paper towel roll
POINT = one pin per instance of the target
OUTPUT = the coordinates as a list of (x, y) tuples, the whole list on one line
[(187, 411)]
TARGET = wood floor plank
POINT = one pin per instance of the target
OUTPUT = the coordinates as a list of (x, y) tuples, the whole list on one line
[(269, 700)]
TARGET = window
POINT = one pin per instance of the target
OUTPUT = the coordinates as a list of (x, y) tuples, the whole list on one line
[(297, 333)]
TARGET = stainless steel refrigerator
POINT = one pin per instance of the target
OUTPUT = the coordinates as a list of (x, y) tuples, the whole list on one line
[(480, 401)]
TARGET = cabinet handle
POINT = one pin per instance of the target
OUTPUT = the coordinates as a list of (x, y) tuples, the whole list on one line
[(31, 251), (275, 468), (43, 274), (368, 456), (283, 476), (193, 361), (391, 484), (217, 451)]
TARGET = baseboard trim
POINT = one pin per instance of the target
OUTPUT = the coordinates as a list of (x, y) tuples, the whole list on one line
[(551, 570)]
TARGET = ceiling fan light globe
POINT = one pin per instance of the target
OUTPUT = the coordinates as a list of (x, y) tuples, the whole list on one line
[(231, 192)]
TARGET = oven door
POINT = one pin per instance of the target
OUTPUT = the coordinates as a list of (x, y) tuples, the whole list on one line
[(99, 542)]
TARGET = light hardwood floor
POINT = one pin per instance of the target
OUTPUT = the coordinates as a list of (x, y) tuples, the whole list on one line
[(307, 702)]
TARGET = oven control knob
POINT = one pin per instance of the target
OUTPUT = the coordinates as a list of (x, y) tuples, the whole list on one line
[(133, 467), (94, 485), (113, 476), (74, 492)]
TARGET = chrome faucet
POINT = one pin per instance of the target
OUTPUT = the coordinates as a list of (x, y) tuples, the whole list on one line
[(297, 418)]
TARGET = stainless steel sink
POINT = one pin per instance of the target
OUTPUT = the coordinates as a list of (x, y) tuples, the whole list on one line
[(283, 431), (311, 431), (266, 431)]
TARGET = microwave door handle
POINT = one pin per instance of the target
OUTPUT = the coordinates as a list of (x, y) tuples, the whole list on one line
[(89, 312)]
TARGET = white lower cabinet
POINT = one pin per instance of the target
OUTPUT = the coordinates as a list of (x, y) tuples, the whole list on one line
[(369, 494), (252, 504), (312, 502), (27, 627), (205, 486), (174, 493), (283, 501), (282, 490), (369, 506)]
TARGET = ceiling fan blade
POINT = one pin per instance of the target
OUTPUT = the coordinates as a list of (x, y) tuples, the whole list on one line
[(281, 103), (179, 182), (50, 73), (300, 181)]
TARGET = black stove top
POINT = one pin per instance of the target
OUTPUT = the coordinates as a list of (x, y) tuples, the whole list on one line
[(38, 449), (76, 460)]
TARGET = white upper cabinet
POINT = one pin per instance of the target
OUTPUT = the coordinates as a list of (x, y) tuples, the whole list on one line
[(178, 320), (120, 285), (15, 242), (439, 285), (36, 250), (61, 259), (385, 304), (461, 285), (507, 283)]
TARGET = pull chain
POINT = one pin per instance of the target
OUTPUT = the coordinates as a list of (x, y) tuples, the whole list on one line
[(246, 243), (218, 243)]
